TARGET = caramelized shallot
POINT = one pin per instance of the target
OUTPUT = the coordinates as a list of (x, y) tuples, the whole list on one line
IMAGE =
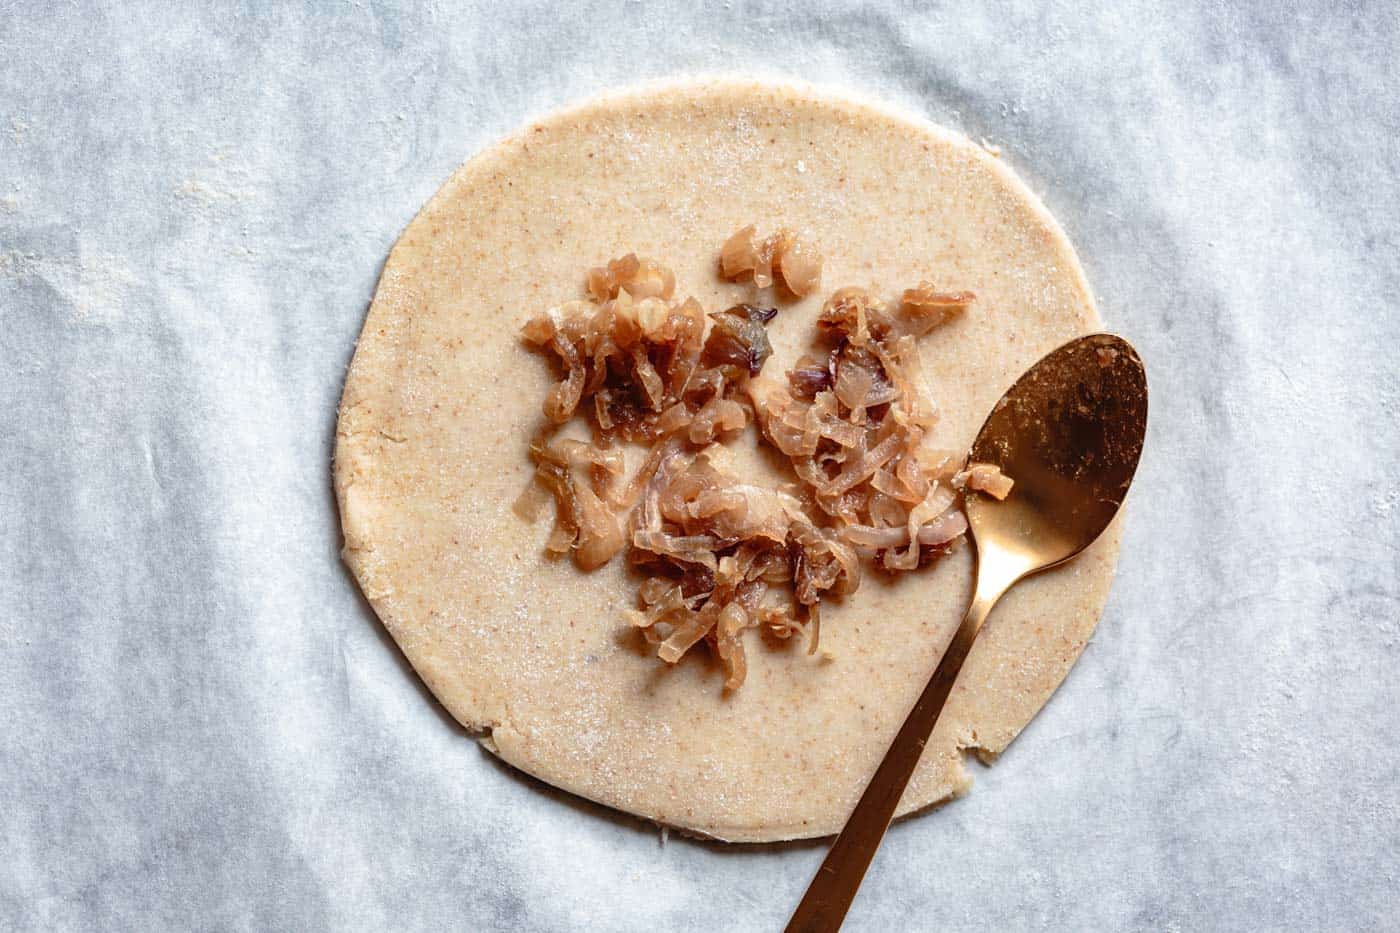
[(785, 256), (739, 340), (857, 438), (721, 555), (584, 523), (987, 478), (922, 308), (751, 542), (640, 278), (797, 263), (642, 368)]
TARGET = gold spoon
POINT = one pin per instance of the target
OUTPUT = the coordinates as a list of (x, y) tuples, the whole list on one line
[(1068, 433)]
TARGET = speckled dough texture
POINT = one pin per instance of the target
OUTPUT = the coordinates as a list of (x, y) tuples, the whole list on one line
[(442, 398)]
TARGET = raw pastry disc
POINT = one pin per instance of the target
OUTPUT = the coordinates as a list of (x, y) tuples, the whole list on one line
[(442, 398)]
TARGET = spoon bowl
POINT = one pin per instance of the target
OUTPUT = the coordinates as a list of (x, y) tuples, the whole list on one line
[(1069, 433)]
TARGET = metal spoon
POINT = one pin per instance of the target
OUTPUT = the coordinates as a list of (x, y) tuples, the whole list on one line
[(1069, 434)]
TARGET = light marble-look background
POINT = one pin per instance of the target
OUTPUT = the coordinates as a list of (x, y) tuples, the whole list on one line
[(203, 726)]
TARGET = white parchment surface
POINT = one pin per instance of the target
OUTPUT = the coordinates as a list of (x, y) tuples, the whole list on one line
[(202, 725)]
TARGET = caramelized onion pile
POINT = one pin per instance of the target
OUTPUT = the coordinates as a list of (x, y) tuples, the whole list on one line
[(723, 556), (855, 427), (642, 368), (718, 555)]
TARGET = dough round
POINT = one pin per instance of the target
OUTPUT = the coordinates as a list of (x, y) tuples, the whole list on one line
[(442, 398)]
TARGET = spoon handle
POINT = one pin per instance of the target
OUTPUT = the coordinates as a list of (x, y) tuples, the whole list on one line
[(830, 894)]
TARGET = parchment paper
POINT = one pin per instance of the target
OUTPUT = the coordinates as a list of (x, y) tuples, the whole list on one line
[(205, 727)]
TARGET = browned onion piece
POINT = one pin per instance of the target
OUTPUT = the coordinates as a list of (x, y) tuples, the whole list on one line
[(739, 339), (584, 523), (821, 562), (825, 421), (687, 634), (538, 331), (599, 536), (659, 454), (943, 529), (652, 280), (686, 549), (715, 418), (877, 538), (532, 498), (785, 256), (861, 382), (560, 404), (987, 478), (855, 315), (922, 308), (648, 380), (914, 477), (887, 483), (797, 263), (779, 622), (659, 597), (862, 469), (732, 620), (887, 511), (814, 623), (640, 278), (673, 419), (739, 255), (809, 377)]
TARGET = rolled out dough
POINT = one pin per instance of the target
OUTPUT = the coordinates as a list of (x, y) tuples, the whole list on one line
[(442, 398)]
